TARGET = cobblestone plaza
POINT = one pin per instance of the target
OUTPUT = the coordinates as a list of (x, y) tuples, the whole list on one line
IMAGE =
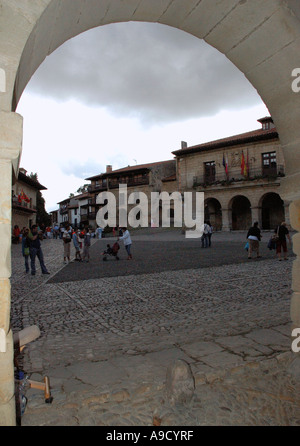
[(110, 330)]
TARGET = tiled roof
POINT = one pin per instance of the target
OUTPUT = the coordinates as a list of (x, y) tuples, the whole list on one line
[(28, 180), (82, 196), (130, 169), (243, 138), (140, 166)]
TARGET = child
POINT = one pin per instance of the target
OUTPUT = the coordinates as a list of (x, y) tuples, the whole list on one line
[(77, 247), (111, 251), (25, 249), (108, 251)]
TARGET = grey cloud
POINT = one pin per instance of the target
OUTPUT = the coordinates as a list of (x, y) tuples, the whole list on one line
[(152, 72), (82, 169)]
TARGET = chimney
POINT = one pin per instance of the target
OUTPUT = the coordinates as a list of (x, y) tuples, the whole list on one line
[(183, 145), (109, 168)]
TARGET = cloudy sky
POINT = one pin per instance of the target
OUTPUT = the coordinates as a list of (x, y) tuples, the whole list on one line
[(126, 94)]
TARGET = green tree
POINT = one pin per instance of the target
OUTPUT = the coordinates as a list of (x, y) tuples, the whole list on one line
[(42, 216), (83, 189)]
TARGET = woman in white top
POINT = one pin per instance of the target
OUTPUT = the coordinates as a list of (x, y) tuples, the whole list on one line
[(127, 242), (254, 237)]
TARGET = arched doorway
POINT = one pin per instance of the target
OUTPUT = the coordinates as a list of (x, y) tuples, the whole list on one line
[(241, 213), (272, 210), (262, 36), (213, 213)]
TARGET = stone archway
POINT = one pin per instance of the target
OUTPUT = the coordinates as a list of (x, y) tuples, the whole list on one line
[(261, 38), (272, 210), (213, 213), (241, 213)]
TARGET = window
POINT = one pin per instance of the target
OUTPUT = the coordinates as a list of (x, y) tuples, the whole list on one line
[(209, 172), (266, 126), (269, 163)]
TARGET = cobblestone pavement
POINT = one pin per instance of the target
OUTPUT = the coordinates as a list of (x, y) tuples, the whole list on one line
[(107, 341)]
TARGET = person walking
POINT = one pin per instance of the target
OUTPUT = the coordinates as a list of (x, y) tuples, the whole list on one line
[(25, 248), (254, 237), (56, 231), (61, 231), (35, 250), (204, 238), (99, 232), (86, 245), (16, 234), (282, 233), (210, 231), (76, 243), (127, 242), (67, 237)]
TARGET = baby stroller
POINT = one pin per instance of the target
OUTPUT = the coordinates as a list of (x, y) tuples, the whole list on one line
[(111, 251)]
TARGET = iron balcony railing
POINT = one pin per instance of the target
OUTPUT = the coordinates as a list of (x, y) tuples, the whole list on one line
[(23, 204), (254, 174)]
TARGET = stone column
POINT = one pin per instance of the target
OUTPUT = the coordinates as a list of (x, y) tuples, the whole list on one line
[(287, 212), (295, 303), (255, 215), (10, 149), (226, 219)]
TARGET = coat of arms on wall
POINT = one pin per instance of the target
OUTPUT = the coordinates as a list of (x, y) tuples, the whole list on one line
[(235, 159)]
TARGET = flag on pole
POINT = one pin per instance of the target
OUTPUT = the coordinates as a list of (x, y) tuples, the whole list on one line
[(243, 163), (225, 164), (247, 163)]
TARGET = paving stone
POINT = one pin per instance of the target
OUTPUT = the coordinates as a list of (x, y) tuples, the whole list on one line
[(269, 337), (199, 349), (222, 359), (96, 374), (110, 334)]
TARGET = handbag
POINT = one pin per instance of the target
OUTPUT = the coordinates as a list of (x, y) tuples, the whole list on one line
[(272, 243), (247, 246), (26, 251)]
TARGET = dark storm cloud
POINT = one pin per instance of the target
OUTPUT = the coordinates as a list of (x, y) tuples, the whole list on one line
[(149, 71)]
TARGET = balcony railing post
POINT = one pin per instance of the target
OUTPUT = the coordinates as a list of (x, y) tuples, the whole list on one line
[(254, 173)]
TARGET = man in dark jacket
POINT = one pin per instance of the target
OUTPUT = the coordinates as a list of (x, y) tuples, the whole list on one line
[(254, 237), (282, 232), (35, 250)]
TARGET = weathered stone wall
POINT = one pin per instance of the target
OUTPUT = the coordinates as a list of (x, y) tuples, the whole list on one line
[(191, 166)]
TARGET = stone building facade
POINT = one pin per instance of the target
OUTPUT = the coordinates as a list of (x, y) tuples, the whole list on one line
[(145, 178), (73, 210), (240, 177), (24, 200)]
